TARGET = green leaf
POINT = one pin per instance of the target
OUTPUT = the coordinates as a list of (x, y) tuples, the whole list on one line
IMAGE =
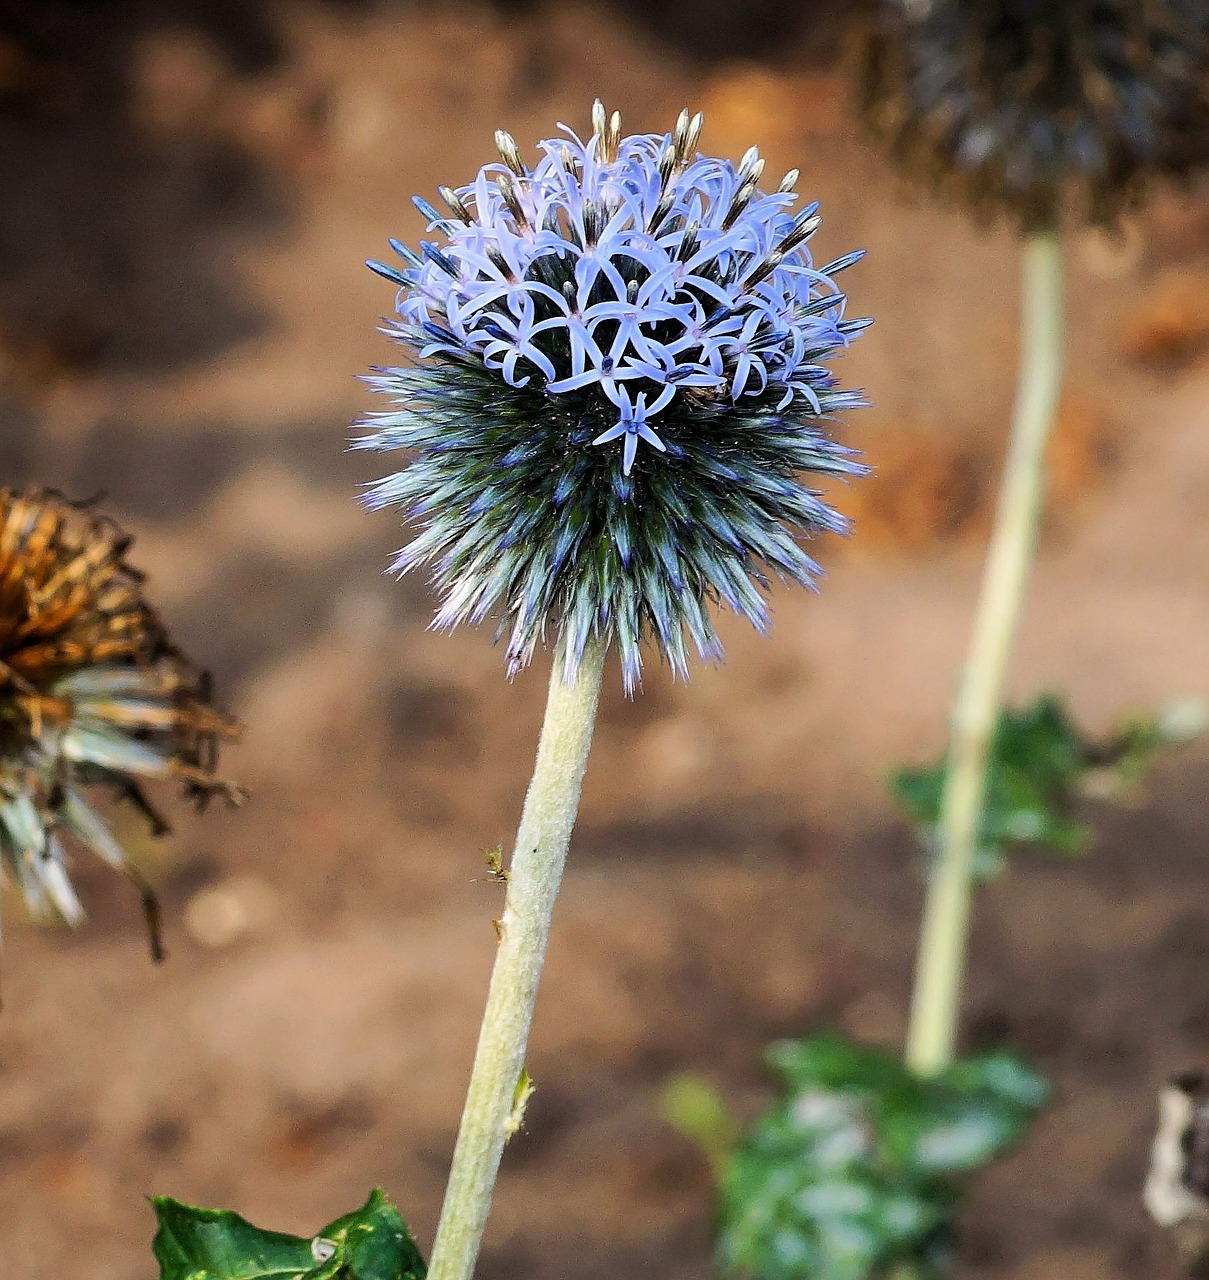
[(372, 1243), (1001, 1075), (952, 1137), (855, 1169), (695, 1109), (216, 1244), (835, 1062), (1040, 768), (376, 1243), (966, 1117)]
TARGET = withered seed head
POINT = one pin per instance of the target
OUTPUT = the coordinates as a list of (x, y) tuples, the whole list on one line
[(1039, 107), (92, 691)]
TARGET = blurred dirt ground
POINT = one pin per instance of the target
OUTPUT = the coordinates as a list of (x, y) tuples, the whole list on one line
[(190, 191)]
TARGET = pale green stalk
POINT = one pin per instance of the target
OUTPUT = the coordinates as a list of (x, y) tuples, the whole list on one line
[(941, 962), (533, 879)]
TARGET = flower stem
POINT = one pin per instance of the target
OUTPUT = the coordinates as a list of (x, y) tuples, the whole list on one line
[(533, 879), (942, 945)]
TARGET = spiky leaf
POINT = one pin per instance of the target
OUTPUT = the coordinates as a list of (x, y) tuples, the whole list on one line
[(856, 1166), (372, 1243), (1041, 767)]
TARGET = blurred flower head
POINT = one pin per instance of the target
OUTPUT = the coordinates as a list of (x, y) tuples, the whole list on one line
[(92, 692), (622, 379), (1028, 106)]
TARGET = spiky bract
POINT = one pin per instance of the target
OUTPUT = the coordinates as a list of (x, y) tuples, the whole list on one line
[(91, 692), (1034, 106), (623, 292)]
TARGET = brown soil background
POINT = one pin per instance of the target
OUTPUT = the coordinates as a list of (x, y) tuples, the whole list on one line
[(189, 192)]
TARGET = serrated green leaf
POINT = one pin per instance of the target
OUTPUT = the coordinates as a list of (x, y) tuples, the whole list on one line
[(373, 1243), (1002, 1075), (960, 1142), (919, 792), (963, 1119), (835, 1062), (854, 1170), (216, 1244), (1040, 767), (376, 1243)]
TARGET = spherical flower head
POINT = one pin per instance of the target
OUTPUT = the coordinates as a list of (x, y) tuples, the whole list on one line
[(1032, 106), (621, 380), (92, 695)]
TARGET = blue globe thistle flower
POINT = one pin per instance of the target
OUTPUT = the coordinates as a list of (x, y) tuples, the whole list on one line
[(622, 377), (92, 693)]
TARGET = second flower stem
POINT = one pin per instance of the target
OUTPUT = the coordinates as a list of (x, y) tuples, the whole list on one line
[(533, 880), (931, 1034)]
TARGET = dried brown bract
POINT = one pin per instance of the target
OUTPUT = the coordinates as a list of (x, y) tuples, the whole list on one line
[(92, 693)]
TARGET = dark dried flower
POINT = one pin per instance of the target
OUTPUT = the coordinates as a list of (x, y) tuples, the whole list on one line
[(623, 377), (1031, 106), (91, 692)]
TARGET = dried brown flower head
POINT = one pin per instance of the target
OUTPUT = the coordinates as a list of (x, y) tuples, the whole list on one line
[(1031, 106), (92, 691)]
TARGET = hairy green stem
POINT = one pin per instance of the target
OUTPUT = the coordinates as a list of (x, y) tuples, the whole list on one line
[(533, 879), (938, 976)]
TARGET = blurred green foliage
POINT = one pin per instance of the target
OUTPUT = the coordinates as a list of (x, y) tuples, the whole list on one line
[(696, 1109), (1041, 767), (215, 1244), (854, 1171)]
